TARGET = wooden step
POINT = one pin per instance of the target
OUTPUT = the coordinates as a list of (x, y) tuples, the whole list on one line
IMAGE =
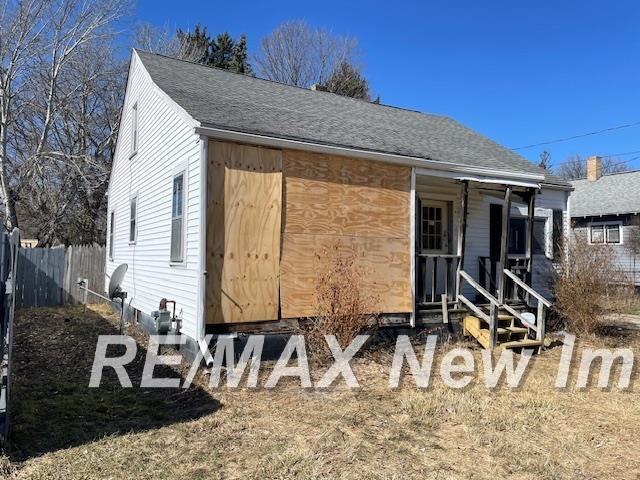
[(524, 343), (505, 330), (474, 326)]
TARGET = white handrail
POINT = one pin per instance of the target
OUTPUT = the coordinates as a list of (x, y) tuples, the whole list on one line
[(473, 308), (480, 289), (527, 288), (515, 313)]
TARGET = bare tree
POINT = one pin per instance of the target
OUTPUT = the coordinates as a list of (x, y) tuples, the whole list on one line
[(545, 160), (296, 54), (575, 167), (165, 42), (43, 45), (65, 198)]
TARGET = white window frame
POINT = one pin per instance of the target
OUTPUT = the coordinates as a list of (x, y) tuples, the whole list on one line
[(605, 233), (133, 220), (112, 235), (135, 132), (179, 170), (445, 235)]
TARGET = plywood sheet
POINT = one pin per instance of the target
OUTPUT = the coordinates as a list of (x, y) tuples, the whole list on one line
[(345, 196), (243, 233), (363, 206), (384, 261)]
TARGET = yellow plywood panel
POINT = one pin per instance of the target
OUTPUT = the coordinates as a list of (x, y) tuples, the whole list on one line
[(243, 233), (345, 196), (384, 262)]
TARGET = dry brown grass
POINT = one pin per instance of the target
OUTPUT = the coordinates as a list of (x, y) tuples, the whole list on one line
[(375, 433), (589, 285), (344, 308)]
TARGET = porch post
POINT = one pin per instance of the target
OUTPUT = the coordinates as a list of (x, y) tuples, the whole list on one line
[(504, 247), (529, 252), (462, 234)]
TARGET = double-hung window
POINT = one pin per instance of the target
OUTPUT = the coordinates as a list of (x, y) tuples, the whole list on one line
[(177, 219), (605, 233), (134, 129), (133, 227), (112, 220)]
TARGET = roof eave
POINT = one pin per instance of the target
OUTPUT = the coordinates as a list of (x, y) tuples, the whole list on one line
[(272, 141)]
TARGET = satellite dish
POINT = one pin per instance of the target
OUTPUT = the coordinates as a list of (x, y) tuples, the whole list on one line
[(116, 280)]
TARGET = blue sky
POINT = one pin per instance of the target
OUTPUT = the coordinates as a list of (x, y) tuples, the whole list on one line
[(520, 72)]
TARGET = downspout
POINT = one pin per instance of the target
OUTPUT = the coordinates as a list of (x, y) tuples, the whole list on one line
[(202, 279)]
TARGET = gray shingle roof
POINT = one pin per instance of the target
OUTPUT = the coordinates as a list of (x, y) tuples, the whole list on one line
[(610, 194), (218, 98)]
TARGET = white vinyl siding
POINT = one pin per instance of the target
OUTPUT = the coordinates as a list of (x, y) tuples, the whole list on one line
[(169, 142)]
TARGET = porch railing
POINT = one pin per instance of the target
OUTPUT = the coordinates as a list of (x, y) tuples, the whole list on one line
[(436, 277), (543, 304), (489, 269)]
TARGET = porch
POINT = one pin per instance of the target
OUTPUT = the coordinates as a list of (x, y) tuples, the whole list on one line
[(475, 243)]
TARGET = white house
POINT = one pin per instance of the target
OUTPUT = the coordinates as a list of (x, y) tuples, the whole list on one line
[(225, 189)]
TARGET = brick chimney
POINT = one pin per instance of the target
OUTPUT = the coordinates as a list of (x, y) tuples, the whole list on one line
[(594, 168)]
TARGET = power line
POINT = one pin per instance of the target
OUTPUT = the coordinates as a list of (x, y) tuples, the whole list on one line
[(617, 163), (566, 139)]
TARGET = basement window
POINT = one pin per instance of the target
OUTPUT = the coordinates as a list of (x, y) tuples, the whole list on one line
[(605, 233), (177, 219)]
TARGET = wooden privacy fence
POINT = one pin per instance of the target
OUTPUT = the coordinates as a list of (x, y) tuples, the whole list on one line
[(9, 247), (48, 277)]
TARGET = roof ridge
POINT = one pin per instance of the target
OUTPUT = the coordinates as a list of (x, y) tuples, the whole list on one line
[(611, 174), (342, 97)]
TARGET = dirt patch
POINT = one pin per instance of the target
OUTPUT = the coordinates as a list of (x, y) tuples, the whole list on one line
[(63, 430)]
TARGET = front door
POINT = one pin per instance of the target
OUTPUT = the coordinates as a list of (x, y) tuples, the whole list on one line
[(434, 227)]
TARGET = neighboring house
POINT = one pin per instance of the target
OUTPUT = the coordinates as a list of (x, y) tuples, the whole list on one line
[(604, 210), (227, 190)]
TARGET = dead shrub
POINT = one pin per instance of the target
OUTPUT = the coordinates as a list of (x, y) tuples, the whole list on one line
[(589, 285), (344, 308)]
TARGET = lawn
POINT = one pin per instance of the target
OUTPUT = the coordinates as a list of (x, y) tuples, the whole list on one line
[(63, 429)]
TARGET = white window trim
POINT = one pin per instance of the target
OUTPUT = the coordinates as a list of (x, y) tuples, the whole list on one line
[(112, 235), (135, 233), (605, 233), (180, 169), (548, 230), (135, 131)]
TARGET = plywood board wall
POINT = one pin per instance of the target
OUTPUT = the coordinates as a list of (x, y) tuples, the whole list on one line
[(364, 207), (243, 233)]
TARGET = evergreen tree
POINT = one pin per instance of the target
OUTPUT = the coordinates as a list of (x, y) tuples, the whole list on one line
[(196, 45), (239, 62), (347, 81), (222, 50)]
